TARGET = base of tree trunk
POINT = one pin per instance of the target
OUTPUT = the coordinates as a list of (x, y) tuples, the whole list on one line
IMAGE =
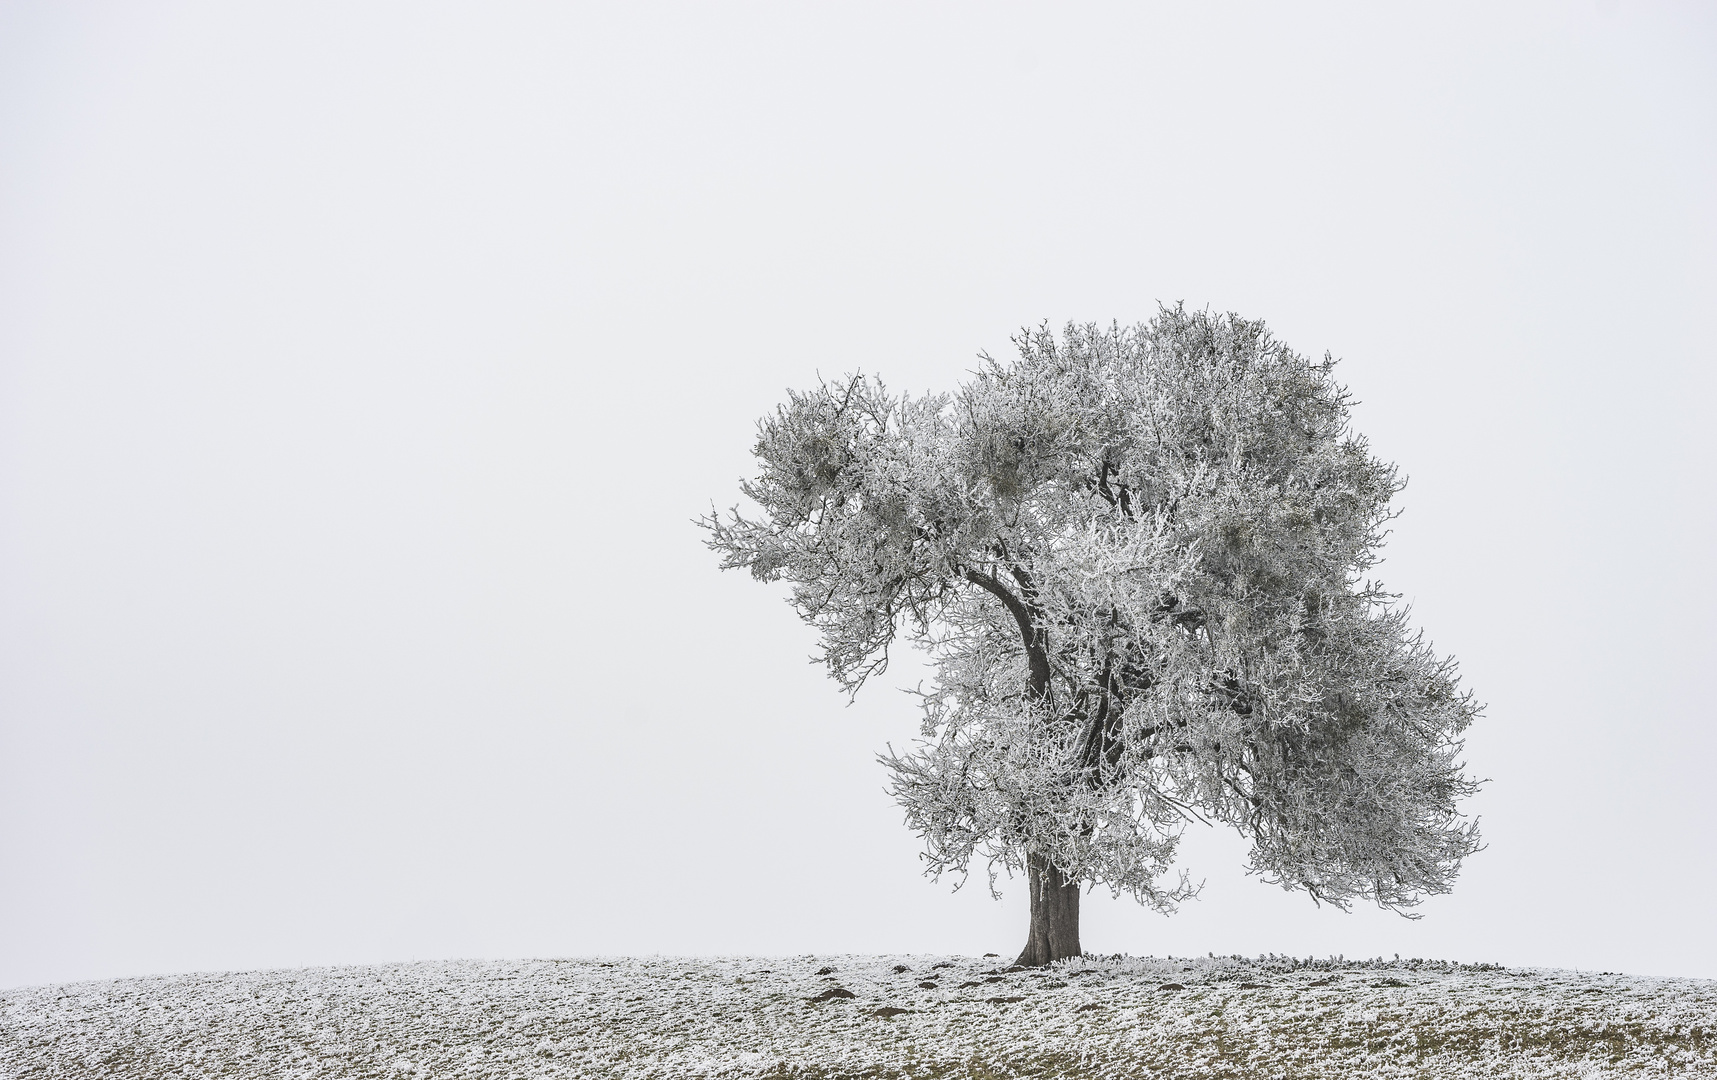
[(1054, 932)]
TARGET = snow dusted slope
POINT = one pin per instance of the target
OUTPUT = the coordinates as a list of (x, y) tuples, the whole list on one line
[(778, 1018)]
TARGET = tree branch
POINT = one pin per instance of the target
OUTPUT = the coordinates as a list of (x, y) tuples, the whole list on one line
[(1032, 635)]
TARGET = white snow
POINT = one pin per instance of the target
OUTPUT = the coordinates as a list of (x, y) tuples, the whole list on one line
[(751, 1017)]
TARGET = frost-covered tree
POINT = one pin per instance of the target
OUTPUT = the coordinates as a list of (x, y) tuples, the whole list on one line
[(1137, 559)]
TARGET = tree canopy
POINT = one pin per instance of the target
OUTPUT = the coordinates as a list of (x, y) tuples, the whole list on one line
[(1137, 558)]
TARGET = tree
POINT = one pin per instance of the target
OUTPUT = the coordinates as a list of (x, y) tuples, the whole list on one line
[(1136, 558)]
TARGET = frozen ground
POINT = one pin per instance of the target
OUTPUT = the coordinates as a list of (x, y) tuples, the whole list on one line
[(906, 1016)]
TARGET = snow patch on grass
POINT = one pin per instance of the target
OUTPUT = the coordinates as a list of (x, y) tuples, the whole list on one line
[(895, 1016)]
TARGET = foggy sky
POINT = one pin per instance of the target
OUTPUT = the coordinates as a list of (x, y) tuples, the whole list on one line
[(362, 368)]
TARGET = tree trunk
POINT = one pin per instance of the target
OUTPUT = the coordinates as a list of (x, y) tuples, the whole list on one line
[(1054, 915)]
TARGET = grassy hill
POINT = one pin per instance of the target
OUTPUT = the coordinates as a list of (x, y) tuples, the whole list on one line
[(896, 1016)]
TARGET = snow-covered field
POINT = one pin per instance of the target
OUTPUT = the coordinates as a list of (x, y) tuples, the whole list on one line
[(852, 1016)]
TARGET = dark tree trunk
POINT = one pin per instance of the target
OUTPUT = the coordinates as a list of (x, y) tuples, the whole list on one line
[(1054, 930)]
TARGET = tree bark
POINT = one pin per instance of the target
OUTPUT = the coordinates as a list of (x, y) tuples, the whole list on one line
[(1054, 932)]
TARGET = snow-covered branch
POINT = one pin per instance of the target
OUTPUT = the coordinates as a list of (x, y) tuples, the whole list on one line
[(1136, 557)]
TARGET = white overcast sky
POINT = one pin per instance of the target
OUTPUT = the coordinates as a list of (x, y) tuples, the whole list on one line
[(363, 366)]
